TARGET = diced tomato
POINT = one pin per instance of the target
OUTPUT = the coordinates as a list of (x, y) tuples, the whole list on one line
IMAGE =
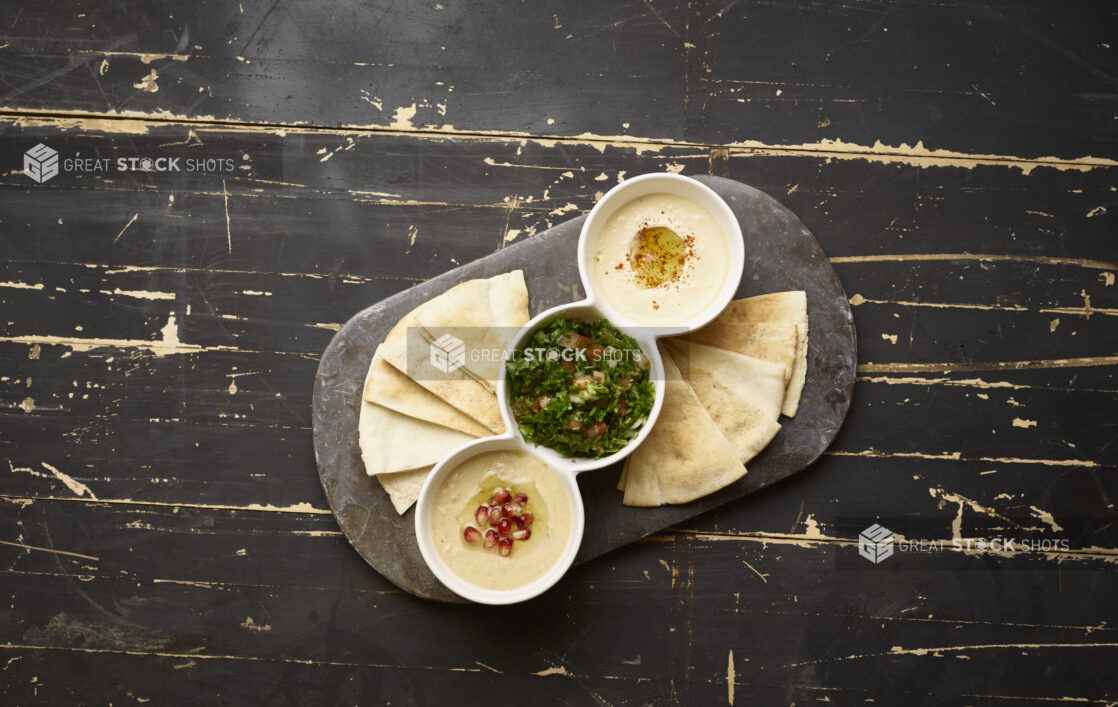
[(573, 340), (625, 383), (622, 406), (596, 430), (595, 352), (568, 366), (578, 340)]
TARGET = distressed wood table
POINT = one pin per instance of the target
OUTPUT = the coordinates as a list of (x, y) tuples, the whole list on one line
[(163, 534)]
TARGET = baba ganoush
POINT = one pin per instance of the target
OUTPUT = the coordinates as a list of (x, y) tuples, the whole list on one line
[(525, 527), (659, 259)]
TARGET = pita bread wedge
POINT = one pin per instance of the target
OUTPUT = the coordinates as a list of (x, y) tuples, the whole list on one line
[(483, 315), (388, 387), (747, 426), (403, 487), (773, 307), (788, 307), (758, 382), (799, 371), (770, 341), (485, 319), (685, 456), (391, 442)]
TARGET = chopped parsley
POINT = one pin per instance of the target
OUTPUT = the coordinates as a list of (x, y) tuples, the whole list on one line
[(580, 388)]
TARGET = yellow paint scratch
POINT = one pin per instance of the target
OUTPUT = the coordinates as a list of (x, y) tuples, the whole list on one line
[(898, 650), (730, 678), (919, 156), (76, 486), (988, 366), (144, 57), (253, 626), (228, 230), (1085, 310), (916, 156), (148, 83), (981, 257), (764, 577), (957, 456), (130, 222), (166, 345), (139, 294), (50, 550), (401, 117), (1046, 518)]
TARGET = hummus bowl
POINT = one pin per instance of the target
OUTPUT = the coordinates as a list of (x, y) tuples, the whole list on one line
[(709, 233)]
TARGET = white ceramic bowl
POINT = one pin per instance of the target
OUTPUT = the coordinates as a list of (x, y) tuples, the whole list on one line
[(680, 186), (565, 468)]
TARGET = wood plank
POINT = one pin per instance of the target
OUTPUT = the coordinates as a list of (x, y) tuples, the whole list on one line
[(501, 190), (825, 629), (778, 73)]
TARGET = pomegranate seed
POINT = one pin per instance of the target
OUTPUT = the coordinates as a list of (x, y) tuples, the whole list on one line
[(505, 547), (494, 515), (522, 534), (504, 527), (511, 509), (481, 515), (491, 539), (521, 498), (471, 534), (492, 500), (501, 495), (523, 520)]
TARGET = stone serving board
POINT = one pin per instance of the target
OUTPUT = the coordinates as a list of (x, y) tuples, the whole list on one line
[(780, 254)]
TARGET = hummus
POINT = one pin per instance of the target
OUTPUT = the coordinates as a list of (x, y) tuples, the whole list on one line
[(471, 484), (659, 259)]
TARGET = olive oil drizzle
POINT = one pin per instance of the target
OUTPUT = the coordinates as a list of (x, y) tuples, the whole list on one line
[(657, 255)]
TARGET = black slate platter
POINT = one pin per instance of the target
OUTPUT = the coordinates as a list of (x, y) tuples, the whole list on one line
[(780, 254)]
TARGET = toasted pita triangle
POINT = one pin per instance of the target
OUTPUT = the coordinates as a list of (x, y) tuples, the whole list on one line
[(403, 487), (487, 314), (485, 318), (387, 386), (685, 456), (773, 307), (799, 371), (770, 341), (747, 426), (392, 442), (760, 383), (787, 307)]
